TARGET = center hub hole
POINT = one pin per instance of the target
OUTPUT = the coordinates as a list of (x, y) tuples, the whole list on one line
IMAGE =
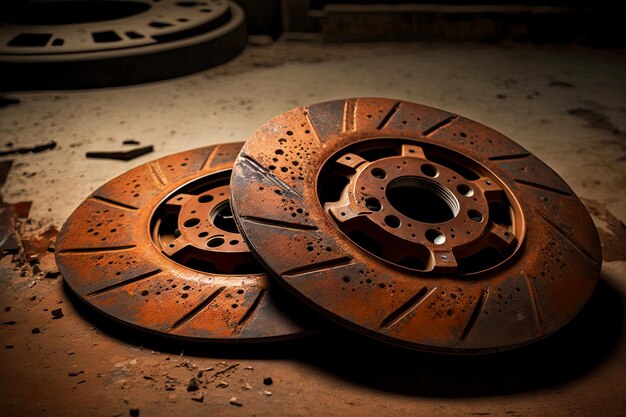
[(422, 199), (222, 218)]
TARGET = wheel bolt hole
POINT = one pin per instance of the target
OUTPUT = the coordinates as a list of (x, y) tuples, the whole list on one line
[(392, 221), (373, 204), (465, 190), (192, 222), (203, 234), (233, 242), (379, 173), (435, 236), (429, 170), (205, 198), (475, 216), (215, 242)]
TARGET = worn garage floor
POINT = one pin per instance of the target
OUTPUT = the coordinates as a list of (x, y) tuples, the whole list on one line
[(565, 104)]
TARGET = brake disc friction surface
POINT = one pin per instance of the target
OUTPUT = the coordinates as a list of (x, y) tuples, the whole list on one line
[(157, 248), (415, 225)]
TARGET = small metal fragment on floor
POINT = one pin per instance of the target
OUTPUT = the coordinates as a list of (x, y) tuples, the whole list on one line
[(75, 373), (221, 384), (193, 385), (170, 383), (9, 240), (10, 150), (48, 265), (197, 396), (121, 155), (235, 401), (37, 245), (22, 209), (57, 313), (267, 393), (249, 368), (131, 142), (247, 387)]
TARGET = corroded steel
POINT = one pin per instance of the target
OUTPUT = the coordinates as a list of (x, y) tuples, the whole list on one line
[(143, 249), (414, 225)]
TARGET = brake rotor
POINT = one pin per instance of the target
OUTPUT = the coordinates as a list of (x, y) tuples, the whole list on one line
[(157, 248), (414, 225), (97, 43)]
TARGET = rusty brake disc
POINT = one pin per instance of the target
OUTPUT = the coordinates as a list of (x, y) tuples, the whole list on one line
[(158, 248), (415, 225)]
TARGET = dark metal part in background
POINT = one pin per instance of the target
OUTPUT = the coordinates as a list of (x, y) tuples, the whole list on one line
[(100, 43), (414, 225), (157, 248)]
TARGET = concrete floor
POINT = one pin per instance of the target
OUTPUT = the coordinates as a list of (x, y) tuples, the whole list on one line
[(565, 104)]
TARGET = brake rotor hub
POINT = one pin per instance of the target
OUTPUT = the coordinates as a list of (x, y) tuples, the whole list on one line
[(199, 229), (420, 214)]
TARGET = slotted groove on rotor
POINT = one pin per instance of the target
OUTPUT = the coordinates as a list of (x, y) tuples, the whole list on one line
[(434, 129), (408, 306), (319, 266), (124, 283), (113, 203), (244, 319), (97, 249), (475, 313), (543, 187), (279, 223), (197, 309), (383, 123), (576, 246), (274, 179), (536, 304)]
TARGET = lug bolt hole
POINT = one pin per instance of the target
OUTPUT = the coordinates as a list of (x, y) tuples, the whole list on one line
[(379, 173), (392, 221), (475, 216), (465, 190), (215, 242), (205, 198), (373, 204), (435, 236), (192, 222), (429, 170)]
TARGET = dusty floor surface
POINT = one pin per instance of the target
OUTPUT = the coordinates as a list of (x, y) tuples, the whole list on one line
[(567, 105)]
